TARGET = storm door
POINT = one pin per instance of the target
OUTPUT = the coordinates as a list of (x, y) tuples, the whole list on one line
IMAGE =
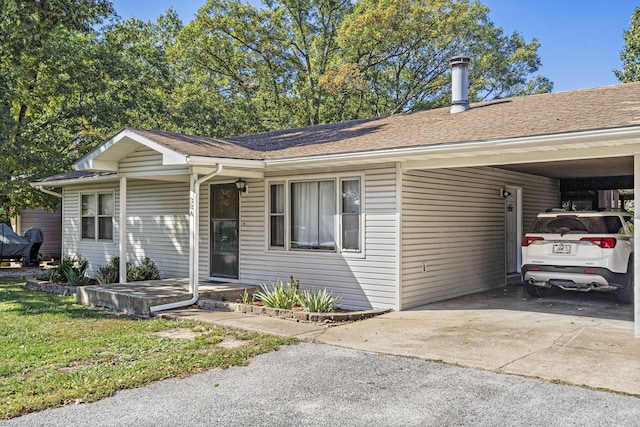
[(225, 209)]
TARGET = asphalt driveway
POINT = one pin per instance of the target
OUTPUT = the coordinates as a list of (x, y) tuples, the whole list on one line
[(323, 385)]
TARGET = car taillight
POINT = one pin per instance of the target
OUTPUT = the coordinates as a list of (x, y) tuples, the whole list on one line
[(527, 240), (603, 242)]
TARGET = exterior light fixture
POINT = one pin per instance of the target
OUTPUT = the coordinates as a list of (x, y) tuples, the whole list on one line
[(241, 185)]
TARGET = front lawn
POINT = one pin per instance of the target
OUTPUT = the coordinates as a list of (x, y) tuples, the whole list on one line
[(54, 352)]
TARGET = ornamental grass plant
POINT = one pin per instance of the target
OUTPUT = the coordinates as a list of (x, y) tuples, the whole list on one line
[(279, 295)]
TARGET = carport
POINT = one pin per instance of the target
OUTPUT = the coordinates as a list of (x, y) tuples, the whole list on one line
[(586, 167), (601, 182)]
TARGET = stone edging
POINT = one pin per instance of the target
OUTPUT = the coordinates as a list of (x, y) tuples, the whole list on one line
[(299, 316), (22, 273), (52, 288)]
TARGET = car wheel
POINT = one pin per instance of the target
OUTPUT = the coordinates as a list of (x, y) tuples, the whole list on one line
[(537, 291), (625, 295)]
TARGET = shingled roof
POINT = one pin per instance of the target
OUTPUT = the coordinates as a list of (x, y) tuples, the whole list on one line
[(599, 108)]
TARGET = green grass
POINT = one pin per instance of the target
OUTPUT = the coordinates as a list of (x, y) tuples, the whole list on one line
[(54, 352)]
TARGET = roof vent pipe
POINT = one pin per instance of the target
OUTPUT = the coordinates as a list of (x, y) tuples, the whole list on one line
[(459, 83)]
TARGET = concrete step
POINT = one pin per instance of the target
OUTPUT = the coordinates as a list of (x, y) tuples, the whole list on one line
[(137, 298)]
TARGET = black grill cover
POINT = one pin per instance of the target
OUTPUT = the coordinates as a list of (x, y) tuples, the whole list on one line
[(34, 235), (12, 245)]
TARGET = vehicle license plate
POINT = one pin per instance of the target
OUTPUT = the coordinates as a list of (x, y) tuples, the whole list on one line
[(561, 248)]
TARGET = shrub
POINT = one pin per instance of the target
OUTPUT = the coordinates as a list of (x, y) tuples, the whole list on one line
[(145, 271), (110, 273), (74, 264), (318, 301)]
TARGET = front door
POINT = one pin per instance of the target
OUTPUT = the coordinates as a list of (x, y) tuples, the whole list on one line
[(225, 209)]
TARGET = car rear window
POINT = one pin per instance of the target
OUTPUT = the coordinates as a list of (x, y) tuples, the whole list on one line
[(564, 224)]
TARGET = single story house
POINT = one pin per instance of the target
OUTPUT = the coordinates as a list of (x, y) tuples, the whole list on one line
[(389, 212)]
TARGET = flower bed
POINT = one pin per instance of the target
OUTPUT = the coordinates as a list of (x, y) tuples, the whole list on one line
[(296, 315)]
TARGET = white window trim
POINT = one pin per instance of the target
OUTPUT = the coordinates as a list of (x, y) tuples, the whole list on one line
[(97, 217), (341, 214), (268, 211), (337, 178)]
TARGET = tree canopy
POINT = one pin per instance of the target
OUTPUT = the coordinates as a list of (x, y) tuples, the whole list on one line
[(72, 73), (42, 48), (297, 63), (630, 55)]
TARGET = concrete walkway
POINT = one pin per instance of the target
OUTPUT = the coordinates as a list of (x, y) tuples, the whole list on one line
[(581, 344)]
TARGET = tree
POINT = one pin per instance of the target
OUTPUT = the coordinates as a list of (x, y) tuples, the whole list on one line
[(630, 55), (67, 85), (135, 78), (40, 43), (266, 62), (397, 52)]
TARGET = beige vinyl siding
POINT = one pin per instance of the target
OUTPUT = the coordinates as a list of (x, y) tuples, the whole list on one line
[(362, 280), (453, 220), (144, 160), (97, 253), (51, 225), (157, 226)]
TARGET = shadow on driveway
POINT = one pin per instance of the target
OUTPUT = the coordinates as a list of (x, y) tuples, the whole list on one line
[(514, 297)]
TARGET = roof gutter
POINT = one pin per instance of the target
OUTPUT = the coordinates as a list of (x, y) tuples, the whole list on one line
[(47, 191), (194, 239), (76, 181), (210, 161)]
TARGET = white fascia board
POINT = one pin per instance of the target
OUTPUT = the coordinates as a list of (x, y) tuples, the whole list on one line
[(604, 138), (214, 161), (75, 181), (484, 159)]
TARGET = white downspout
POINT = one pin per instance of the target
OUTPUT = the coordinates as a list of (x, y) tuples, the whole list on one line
[(194, 241)]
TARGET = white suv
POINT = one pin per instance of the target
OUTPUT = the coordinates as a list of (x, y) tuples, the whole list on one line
[(580, 251)]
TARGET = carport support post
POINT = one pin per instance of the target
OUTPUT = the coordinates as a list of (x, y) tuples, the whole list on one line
[(636, 238), (123, 230)]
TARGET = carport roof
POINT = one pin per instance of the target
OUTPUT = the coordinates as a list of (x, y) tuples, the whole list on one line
[(601, 108)]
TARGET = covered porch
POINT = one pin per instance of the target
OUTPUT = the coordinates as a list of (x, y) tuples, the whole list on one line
[(140, 298)]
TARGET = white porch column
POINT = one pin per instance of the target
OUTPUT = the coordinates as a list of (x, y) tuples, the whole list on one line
[(123, 230), (636, 238)]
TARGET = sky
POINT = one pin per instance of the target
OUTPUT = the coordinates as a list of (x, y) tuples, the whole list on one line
[(580, 40)]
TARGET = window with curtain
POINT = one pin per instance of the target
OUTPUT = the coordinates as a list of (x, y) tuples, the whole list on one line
[(313, 211), (97, 216), (319, 215)]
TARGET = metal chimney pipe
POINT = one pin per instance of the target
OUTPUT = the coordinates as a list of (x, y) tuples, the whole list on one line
[(459, 83)]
